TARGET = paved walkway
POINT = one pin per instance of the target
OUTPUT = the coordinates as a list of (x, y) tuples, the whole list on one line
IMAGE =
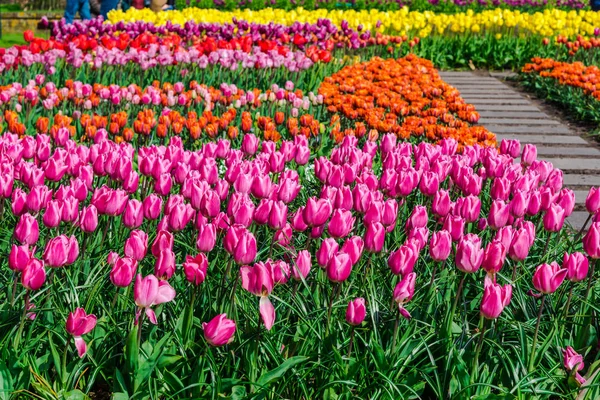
[(511, 115)]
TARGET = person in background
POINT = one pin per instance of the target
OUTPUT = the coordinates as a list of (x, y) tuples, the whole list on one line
[(95, 6), (75, 6), (160, 5), (595, 4), (107, 6)]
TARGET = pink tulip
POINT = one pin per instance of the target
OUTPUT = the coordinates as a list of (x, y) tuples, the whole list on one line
[(241, 244), (53, 214), (298, 223), (339, 267), (529, 154), (520, 245), (195, 268), (257, 279), (577, 266), (33, 275), (440, 205), (61, 251), (280, 271), (316, 212), (19, 257), (493, 257), (302, 265), (554, 218), (402, 261), (566, 200), (152, 206), (469, 254), (356, 311), (70, 209), (27, 230), (207, 237), (374, 237), (519, 204), (136, 245), (404, 292), (440, 245), (163, 241), (430, 183), (148, 292), (592, 201), (455, 225), (591, 241), (278, 215), (164, 268), (78, 324), (328, 248), (389, 214), (418, 218), (219, 331), (123, 271), (341, 223), (249, 144), (353, 247), (180, 216), (88, 219), (572, 360), (495, 298), (548, 277), (133, 216), (498, 215)]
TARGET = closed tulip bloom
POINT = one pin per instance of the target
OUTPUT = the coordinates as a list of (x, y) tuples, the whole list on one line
[(402, 261), (195, 268), (495, 298), (548, 277), (207, 237), (19, 201), (164, 268), (592, 201), (498, 215), (61, 251), (249, 144), (328, 248), (505, 236), (356, 311), (404, 292), (262, 187), (78, 324), (27, 230), (440, 245), (566, 200), (133, 216), (262, 212), (577, 266), (136, 245), (554, 218), (374, 212), (591, 241), (519, 203), (529, 154), (33, 275), (69, 209), (389, 214), (374, 237), (469, 254), (440, 205), (148, 292), (419, 236), (245, 250), (535, 203), (152, 206), (317, 211), (219, 331), (455, 225), (297, 222), (353, 247), (339, 267), (88, 218), (418, 218), (520, 245), (341, 223), (278, 215), (288, 190), (280, 271), (19, 257), (53, 214), (123, 271), (430, 183), (493, 257), (180, 216), (302, 265), (163, 241), (572, 360)]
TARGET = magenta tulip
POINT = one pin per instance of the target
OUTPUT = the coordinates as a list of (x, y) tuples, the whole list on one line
[(469, 254), (440, 245), (353, 247), (302, 265), (495, 298), (219, 331), (133, 216), (592, 201), (402, 261), (493, 257), (195, 268), (33, 275), (316, 212), (136, 245), (374, 237), (329, 246), (88, 218), (548, 277), (577, 266), (164, 268), (78, 324), (27, 230), (404, 292), (591, 241), (356, 311), (19, 257), (163, 241), (123, 271), (207, 237), (498, 215), (148, 292), (341, 223), (339, 267)]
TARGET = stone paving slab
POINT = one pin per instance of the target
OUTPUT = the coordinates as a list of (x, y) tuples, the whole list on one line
[(542, 139), (495, 96), (567, 151), (577, 219), (518, 121), (531, 130), (514, 101), (506, 108), (586, 165), (581, 180), (512, 114)]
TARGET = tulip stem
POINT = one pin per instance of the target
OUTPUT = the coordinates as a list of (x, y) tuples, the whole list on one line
[(14, 290), (566, 313), (482, 328), (455, 304), (395, 337), (334, 294), (114, 300), (547, 243), (63, 373), (589, 284), (22, 323), (535, 335), (351, 343)]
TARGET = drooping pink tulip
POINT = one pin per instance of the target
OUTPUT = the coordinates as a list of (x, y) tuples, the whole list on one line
[(356, 311), (548, 277), (195, 268), (136, 245), (404, 292), (219, 331), (495, 298), (148, 292), (577, 266), (78, 324), (572, 360)]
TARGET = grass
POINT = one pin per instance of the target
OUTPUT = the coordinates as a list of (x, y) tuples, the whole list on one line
[(13, 39)]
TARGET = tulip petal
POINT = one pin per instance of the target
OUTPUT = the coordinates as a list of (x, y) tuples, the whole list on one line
[(81, 346), (165, 293), (267, 312), (404, 312), (151, 315)]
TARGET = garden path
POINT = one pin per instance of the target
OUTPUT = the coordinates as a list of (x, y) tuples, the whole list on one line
[(511, 115)]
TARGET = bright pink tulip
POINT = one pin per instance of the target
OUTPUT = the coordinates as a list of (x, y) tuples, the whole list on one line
[(316, 212), (195, 268), (27, 230), (430, 183), (70, 209), (123, 271), (577, 266), (374, 237), (356, 311), (353, 247), (280, 271), (495, 298), (389, 214), (164, 241), (529, 154), (152, 206), (339, 267), (592, 201), (88, 218), (180, 216), (519, 204), (164, 268), (341, 223), (572, 360), (257, 279), (148, 292), (249, 144), (498, 215), (548, 277), (241, 244), (440, 245), (19, 257), (441, 203), (136, 245), (207, 237), (133, 216), (493, 257), (302, 265), (278, 215), (33, 275), (591, 241), (53, 214), (402, 261), (420, 236), (404, 292), (78, 324), (469, 254), (520, 245), (455, 225), (328, 248), (418, 218), (19, 201), (554, 218), (61, 251), (219, 331)]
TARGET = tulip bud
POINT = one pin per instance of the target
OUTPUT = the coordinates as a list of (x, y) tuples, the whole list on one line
[(493, 257), (136, 245), (577, 266), (341, 223), (27, 230), (164, 268), (469, 254), (123, 271), (402, 261), (33, 275), (302, 265), (356, 311), (328, 248), (19, 257), (440, 245), (353, 247), (374, 237), (88, 219), (495, 298), (339, 267)]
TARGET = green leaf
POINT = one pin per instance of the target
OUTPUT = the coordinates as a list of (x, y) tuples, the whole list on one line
[(278, 372), (132, 349), (6, 383), (75, 395)]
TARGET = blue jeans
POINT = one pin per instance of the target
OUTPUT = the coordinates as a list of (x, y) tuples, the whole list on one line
[(108, 5), (595, 4), (73, 6)]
